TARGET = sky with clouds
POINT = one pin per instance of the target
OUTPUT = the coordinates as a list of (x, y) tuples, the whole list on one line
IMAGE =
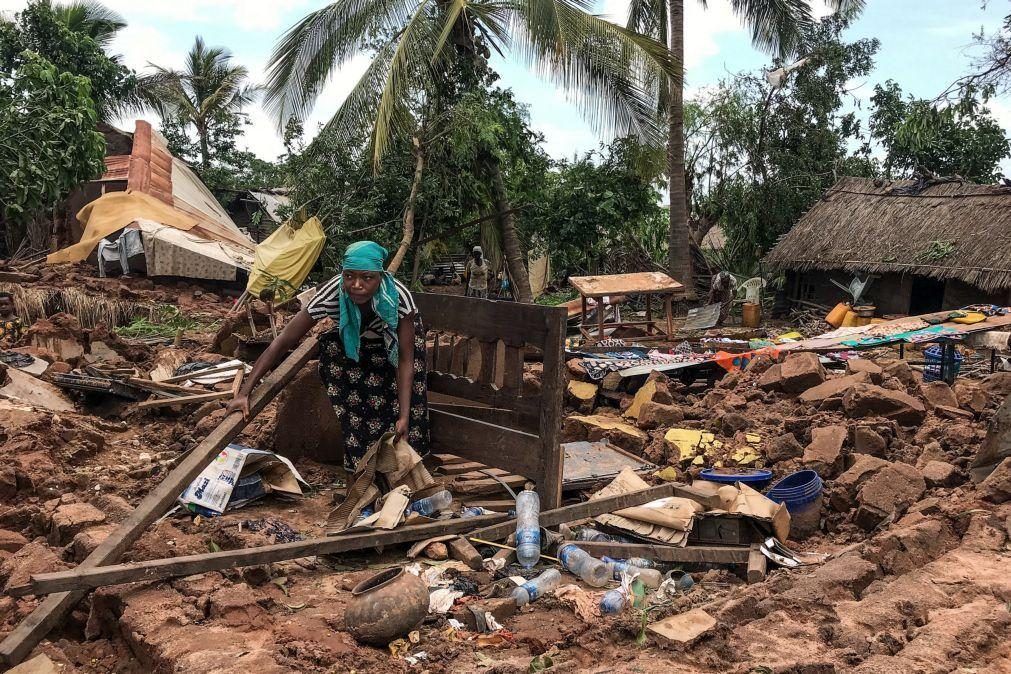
[(925, 45)]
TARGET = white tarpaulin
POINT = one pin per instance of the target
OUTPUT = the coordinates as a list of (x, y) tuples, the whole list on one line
[(229, 475), (172, 252)]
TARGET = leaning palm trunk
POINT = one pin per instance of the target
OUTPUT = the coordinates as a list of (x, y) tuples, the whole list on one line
[(412, 200), (679, 243), (510, 239)]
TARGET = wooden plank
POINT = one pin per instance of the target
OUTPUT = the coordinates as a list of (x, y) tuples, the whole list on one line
[(462, 468), (203, 373), (185, 400), (237, 382), (486, 320), (188, 565), (496, 504), (162, 386), (492, 445), (488, 394), (579, 511), (711, 554), (84, 577), (757, 564), (20, 642), (487, 373), (549, 478), (458, 362), (637, 283), (512, 380)]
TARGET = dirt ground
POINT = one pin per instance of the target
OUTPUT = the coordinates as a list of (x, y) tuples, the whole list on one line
[(915, 579)]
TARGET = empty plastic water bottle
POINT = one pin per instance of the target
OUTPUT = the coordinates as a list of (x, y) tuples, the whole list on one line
[(440, 500), (474, 512), (613, 601), (637, 562), (528, 528), (365, 513), (651, 578), (579, 563), (532, 589)]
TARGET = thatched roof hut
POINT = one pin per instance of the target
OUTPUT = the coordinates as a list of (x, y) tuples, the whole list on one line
[(948, 231)]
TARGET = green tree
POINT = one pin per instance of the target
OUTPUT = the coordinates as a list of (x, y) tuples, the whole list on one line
[(48, 144), (90, 18), (206, 94), (593, 210), (777, 26), (759, 156), (419, 45), (961, 139), (52, 32)]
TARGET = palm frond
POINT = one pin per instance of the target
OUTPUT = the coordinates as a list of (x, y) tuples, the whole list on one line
[(314, 48), (777, 26), (609, 71), (91, 18)]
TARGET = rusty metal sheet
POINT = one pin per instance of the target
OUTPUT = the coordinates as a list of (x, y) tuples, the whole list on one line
[(625, 284), (590, 463)]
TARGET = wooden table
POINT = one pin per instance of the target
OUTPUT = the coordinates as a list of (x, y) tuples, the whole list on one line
[(644, 283)]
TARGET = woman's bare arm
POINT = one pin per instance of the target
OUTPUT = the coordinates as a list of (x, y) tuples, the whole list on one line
[(292, 334), (405, 373)]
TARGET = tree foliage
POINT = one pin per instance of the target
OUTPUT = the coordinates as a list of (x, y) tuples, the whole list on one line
[(208, 94), (960, 139), (759, 155), (600, 205), (43, 29), (48, 141)]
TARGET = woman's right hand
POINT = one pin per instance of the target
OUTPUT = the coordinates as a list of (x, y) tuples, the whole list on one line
[(239, 403)]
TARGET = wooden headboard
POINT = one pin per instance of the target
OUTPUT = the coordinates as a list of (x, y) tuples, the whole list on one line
[(478, 406)]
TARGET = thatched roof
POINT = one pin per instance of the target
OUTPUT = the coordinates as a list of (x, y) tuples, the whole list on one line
[(947, 231)]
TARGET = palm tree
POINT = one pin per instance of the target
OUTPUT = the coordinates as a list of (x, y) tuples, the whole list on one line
[(608, 70), (209, 85), (777, 26), (91, 18)]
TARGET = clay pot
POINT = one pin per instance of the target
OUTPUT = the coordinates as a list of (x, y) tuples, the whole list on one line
[(386, 607)]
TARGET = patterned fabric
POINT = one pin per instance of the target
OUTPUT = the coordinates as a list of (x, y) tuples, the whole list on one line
[(11, 329), (326, 303), (364, 393)]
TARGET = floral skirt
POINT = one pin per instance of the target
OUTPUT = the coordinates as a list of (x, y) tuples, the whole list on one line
[(364, 393)]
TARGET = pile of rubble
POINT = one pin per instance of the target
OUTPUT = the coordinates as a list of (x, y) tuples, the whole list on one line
[(912, 577)]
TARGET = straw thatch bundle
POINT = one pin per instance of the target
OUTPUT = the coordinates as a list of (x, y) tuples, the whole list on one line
[(953, 230), (90, 309)]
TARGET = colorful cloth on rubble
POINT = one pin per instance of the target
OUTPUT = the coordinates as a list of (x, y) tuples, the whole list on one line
[(363, 393), (15, 359), (11, 329), (913, 336), (598, 368), (732, 362)]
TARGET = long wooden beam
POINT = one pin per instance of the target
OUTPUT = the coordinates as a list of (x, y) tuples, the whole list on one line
[(85, 578), (713, 554), (36, 626)]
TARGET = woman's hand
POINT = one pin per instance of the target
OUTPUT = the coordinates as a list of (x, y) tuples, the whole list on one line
[(402, 428), (240, 403)]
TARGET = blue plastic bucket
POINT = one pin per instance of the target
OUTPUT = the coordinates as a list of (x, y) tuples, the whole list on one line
[(753, 477), (932, 356), (801, 493)]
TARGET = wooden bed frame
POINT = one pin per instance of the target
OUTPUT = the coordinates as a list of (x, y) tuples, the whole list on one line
[(478, 407)]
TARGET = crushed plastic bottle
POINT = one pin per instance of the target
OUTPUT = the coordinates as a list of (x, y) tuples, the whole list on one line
[(637, 562), (528, 528), (651, 578), (365, 513), (532, 589), (613, 601), (440, 500), (474, 512), (579, 563)]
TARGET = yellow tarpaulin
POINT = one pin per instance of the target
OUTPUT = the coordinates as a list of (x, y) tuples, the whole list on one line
[(112, 212), (284, 258)]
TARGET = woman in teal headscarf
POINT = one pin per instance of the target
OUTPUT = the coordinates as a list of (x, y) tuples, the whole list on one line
[(372, 362)]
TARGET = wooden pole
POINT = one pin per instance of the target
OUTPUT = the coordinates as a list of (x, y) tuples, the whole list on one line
[(52, 611), (83, 578)]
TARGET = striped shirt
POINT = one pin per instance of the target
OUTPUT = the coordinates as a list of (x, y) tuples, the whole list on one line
[(326, 303)]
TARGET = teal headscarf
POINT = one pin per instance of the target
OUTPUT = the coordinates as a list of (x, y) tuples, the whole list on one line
[(369, 256)]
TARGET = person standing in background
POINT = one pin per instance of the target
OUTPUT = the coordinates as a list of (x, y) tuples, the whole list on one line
[(476, 272), (11, 328)]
